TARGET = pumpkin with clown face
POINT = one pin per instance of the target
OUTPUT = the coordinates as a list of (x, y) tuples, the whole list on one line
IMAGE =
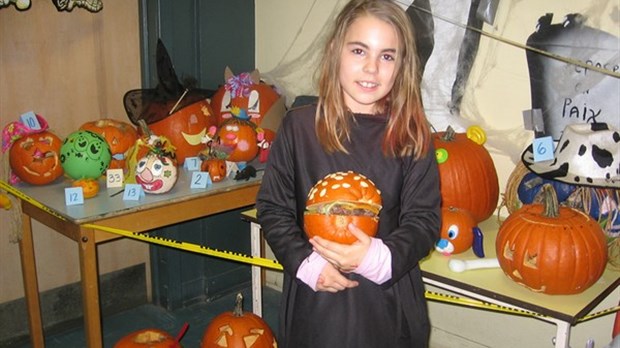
[(156, 173)]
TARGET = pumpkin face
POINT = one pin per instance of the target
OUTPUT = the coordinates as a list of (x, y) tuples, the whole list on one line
[(336, 201), (215, 167), (35, 158), (186, 128), (246, 92), (238, 329), (147, 338), (240, 137), (85, 155), (90, 187), (457, 231), (468, 179), (551, 249), (120, 136), (156, 174)]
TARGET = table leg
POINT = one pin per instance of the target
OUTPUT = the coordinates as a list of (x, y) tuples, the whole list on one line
[(562, 335), (257, 291), (90, 288), (31, 285)]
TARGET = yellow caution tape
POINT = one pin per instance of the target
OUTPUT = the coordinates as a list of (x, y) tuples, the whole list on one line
[(273, 264)]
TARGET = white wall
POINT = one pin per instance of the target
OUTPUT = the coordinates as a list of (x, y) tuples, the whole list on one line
[(497, 93)]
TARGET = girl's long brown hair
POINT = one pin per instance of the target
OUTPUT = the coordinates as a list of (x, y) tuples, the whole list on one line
[(407, 131)]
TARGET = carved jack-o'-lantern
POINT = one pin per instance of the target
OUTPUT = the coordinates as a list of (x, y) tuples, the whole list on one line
[(238, 329), (216, 167), (239, 136), (120, 136), (186, 128), (34, 158), (85, 155), (156, 174), (147, 338)]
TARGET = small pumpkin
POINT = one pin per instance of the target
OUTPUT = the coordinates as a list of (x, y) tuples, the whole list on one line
[(238, 329), (550, 248), (467, 174), (147, 338), (458, 232), (216, 167), (90, 187), (35, 158), (239, 136), (120, 136)]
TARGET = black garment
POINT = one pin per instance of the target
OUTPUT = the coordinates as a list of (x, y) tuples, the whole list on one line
[(369, 315)]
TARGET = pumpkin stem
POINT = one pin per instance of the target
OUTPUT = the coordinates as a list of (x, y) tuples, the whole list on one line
[(449, 134), (238, 312), (550, 201)]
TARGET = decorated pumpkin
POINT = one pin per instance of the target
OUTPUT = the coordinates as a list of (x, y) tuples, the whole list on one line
[(119, 135), (551, 249), (85, 155), (339, 199), (238, 329), (35, 158), (216, 167), (156, 173), (147, 338), (531, 183), (186, 128), (467, 173), (240, 138), (459, 232)]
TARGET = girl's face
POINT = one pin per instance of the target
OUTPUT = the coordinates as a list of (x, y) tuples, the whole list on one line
[(367, 63)]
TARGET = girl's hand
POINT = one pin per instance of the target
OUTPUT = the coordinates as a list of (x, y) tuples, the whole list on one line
[(332, 280), (345, 258)]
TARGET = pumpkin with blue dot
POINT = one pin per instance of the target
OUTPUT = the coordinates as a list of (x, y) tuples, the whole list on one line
[(85, 155)]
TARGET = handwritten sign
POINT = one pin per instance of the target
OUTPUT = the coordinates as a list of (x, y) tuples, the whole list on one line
[(74, 196), (30, 120), (192, 163), (133, 192), (114, 178), (200, 180)]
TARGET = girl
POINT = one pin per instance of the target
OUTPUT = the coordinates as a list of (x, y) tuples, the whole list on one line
[(368, 119)]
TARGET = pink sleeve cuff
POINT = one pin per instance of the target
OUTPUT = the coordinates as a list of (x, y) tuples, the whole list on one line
[(310, 269), (377, 264)]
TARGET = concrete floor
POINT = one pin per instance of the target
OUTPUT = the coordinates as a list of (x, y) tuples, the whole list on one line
[(198, 317)]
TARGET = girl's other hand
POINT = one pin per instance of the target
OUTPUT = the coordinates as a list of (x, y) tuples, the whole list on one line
[(345, 258), (332, 280)]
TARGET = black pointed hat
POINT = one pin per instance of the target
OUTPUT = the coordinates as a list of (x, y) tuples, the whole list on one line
[(170, 95)]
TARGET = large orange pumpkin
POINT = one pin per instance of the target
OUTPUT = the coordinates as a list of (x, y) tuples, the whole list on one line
[(147, 338), (238, 329), (551, 249), (120, 136), (35, 158), (186, 128), (467, 174), (339, 199)]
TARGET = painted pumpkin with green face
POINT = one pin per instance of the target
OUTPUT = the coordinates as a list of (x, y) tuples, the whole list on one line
[(85, 155)]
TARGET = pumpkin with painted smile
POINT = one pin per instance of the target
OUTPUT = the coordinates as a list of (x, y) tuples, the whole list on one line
[(35, 158), (156, 173)]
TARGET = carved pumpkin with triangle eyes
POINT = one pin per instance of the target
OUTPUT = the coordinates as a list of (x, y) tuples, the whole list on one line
[(120, 136), (35, 158), (238, 329)]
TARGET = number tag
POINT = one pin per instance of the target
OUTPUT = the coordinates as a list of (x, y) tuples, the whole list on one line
[(74, 196), (543, 149), (200, 180), (192, 163), (133, 192), (114, 178), (30, 119)]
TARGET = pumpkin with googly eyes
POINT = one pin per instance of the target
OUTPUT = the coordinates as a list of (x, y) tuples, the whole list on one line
[(156, 173), (339, 199)]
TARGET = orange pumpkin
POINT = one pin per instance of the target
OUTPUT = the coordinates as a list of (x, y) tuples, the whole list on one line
[(467, 174), (90, 187), (120, 136), (336, 201), (238, 329), (240, 137), (551, 249), (35, 158), (457, 231), (147, 338), (186, 128), (216, 167)]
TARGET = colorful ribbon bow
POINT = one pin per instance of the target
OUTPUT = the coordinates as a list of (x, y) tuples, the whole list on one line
[(239, 85), (16, 130)]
